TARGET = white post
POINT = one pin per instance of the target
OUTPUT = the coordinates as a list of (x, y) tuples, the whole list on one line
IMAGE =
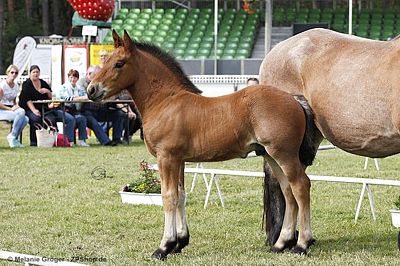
[(350, 17), (268, 25), (215, 35)]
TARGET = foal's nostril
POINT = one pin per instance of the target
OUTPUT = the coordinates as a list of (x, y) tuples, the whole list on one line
[(91, 90)]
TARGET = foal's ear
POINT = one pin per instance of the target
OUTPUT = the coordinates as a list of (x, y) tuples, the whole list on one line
[(117, 39), (128, 43)]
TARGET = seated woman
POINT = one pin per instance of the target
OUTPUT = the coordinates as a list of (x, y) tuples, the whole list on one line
[(9, 109), (34, 89), (70, 91)]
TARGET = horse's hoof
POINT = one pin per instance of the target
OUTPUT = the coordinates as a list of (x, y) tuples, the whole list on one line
[(277, 250), (159, 255), (311, 242), (181, 243), (290, 243), (299, 250)]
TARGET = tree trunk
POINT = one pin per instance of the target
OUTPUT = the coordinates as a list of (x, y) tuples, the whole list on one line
[(1, 33), (45, 17), (56, 17), (11, 9), (28, 8)]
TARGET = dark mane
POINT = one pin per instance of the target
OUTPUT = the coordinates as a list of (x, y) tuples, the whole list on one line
[(170, 62)]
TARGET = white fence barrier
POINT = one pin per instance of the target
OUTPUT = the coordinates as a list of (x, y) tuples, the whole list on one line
[(214, 173)]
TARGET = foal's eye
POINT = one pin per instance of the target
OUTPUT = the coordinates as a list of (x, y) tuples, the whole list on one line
[(119, 64)]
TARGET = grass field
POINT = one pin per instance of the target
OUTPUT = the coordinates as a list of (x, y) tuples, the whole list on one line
[(51, 206)]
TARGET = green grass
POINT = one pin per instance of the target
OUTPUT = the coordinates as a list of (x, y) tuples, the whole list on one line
[(50, 206)]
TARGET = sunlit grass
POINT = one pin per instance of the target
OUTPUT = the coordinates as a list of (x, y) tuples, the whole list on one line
[(51, 206)]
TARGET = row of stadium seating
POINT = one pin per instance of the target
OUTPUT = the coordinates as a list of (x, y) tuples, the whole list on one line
[(375, 24), (190, 34)]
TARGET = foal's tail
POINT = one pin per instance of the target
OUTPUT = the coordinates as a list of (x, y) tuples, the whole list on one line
[(274, 202)]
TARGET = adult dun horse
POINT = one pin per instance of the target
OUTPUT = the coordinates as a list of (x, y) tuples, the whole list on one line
[(353, 87), (180, 125)]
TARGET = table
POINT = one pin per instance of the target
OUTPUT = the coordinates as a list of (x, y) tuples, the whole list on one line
[(62, 103)]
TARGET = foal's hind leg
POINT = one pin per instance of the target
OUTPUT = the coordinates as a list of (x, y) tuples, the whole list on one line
[(182, 230), (287, 234), (300, 185)]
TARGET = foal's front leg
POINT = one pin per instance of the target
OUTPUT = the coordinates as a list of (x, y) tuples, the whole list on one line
[(169, 173)]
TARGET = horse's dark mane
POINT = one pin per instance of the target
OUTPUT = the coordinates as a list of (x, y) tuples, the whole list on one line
[(170, 62)]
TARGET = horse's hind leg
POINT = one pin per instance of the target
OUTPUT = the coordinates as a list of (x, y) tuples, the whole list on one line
[(287, 234), (169, 172), (182, 230)]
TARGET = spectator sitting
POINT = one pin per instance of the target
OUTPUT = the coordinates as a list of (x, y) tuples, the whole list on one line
[(252, 81), (34, 89), (70, 91), (9, 109), (95, 112), (135, 119)]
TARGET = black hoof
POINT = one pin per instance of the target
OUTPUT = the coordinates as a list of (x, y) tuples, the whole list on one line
[(159, 255), (291, 243), (311, 242), (181, 243), (299, 250), (276, 250)]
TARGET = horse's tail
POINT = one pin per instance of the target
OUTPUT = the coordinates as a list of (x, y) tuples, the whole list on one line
[(309, 146), (274, 201)]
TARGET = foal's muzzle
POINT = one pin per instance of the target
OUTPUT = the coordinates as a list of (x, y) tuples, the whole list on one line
[(95, 92)]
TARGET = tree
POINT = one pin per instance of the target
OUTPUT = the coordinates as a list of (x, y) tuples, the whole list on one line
[(45, 17), (1, 31), (19, 18)]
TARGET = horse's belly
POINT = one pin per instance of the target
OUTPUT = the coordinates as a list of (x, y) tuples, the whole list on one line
[(354, 136)]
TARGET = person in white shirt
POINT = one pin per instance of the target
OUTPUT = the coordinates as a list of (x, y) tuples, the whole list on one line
[(9, 109)]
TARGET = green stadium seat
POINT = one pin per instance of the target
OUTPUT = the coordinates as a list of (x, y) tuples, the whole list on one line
[(180, 45), (147, 38), (169, 16), (193, 45), (170, 11), (206, 45), (132, 16), (124, 10), (168, 46), (144, 16), (185, 34), (139, 27), (134, 10), (146, 11)]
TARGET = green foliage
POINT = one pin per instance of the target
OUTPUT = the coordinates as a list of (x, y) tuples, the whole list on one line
[(147, 182), (19, 25), (397, 203)]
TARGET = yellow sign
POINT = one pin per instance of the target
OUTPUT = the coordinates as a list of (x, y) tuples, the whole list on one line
[(94, 52)]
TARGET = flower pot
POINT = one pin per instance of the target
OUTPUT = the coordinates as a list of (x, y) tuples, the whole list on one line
[(141, 198), (395, 217)]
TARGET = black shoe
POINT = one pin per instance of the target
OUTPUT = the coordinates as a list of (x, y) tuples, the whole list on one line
[(117, 141), (33, 144), (110, 143)]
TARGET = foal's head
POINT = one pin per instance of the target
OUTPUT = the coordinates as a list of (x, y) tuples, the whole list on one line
[(133, 62), (117, 73)]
